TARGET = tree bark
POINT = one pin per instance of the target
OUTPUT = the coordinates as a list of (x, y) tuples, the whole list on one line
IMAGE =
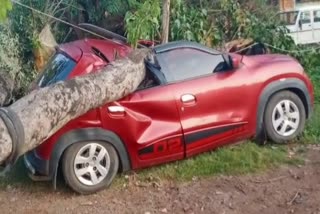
[(165, 21), (6, 88), (46, 110)]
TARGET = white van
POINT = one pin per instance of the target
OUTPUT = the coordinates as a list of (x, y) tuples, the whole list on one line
[(303, 24)]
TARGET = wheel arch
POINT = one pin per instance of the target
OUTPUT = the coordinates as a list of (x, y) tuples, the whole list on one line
[(294, 85), (87, 134)]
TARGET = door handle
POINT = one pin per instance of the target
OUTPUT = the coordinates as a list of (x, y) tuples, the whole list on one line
[(187, 98), (116, 111)]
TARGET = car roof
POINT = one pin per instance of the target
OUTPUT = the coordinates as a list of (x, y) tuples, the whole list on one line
[(184, 44), (309, 8), (305, 7)]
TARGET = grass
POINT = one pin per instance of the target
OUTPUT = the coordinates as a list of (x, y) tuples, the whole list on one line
[(235, 160), (312, 131)]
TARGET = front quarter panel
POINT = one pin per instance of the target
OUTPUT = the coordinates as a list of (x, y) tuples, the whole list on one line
[(295, 84)]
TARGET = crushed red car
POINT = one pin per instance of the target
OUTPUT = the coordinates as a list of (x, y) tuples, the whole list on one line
[(192, 100)]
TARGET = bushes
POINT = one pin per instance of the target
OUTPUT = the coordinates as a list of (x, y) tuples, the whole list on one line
[(10, 59), (192, 24), (142, 26), (9, 51)]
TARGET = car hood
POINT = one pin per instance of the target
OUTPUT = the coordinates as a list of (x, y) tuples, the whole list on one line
[(267, 59)]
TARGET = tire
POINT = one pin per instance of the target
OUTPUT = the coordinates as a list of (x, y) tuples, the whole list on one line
[(284, 117), (89, 167)]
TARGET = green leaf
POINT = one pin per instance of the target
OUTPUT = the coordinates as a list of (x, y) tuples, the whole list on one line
[(4, 8), (204, 12)]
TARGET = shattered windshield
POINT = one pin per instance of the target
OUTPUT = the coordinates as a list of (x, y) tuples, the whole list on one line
[(289, 18), (57, 69)]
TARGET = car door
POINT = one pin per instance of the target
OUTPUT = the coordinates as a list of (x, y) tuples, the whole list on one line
[(148, 122), (316, 25), (211, 105), (305, 34)]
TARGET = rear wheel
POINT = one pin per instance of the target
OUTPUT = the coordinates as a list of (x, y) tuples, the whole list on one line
[(284, 117), (89, 167)]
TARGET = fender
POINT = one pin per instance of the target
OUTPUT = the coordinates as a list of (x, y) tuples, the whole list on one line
[(273, 87), (87, 134)]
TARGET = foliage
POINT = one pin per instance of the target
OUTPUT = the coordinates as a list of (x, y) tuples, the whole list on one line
[(9, 51), (186, 23), (142, 26), (96, 10), (312, 132), (239, 21), (10, 58), (309, 58), (29, 23), (5, 7), (192, 24)]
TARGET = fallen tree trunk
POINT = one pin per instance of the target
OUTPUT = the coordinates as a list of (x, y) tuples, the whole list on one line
[(41, 113), (6, 88)]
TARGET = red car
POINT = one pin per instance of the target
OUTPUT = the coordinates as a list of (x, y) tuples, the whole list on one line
[(193, 99)]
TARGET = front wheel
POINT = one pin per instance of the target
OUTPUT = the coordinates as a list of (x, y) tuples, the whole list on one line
[(89, 167), (285, 117)]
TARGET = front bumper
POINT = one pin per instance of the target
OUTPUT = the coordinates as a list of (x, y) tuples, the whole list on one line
[(37, 167)]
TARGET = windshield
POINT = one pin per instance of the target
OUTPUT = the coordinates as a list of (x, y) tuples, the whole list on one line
[(289, 18), (57, 69)]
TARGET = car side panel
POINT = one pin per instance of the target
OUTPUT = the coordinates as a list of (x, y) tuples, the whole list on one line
[(149, 127), (221, 112)]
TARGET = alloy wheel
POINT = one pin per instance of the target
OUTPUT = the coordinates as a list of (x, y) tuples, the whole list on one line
[(286, 118), (92, 164)]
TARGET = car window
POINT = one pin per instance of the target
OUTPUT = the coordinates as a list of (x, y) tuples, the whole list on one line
[(289, 18), (305, 17), (316, 16), (186, 63), (57, 69)]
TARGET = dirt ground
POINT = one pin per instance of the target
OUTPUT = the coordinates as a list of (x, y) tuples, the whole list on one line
[(285, 190)]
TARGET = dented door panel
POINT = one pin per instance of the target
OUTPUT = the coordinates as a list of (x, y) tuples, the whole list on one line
[(150, 126)]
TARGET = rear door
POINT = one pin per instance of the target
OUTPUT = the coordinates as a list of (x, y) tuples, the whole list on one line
[(211, 105)]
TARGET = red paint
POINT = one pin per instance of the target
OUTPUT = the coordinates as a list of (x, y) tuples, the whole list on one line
[(156, 117)]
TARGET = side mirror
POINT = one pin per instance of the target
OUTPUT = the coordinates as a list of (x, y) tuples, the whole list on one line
[(235, 62)]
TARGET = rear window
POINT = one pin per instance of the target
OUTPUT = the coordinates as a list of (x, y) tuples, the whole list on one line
[(57, 69)]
